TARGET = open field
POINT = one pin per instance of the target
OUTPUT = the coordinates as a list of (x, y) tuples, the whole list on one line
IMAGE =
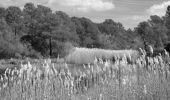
[(45, 79)]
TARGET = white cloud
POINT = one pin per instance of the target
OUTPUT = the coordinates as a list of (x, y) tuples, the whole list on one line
[(83, 5), (133, 21), (137, 18), (20, 3), (65, 5), (158, 9)]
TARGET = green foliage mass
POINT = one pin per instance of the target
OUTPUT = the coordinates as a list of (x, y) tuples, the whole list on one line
[(37, 31)]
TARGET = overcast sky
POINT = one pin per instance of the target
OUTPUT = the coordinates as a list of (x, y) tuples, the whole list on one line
[(128, 12)]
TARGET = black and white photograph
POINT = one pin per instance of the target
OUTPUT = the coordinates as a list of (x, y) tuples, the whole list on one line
[(84, 49)]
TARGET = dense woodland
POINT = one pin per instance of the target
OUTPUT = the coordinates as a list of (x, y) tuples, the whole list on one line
[(37, 31)]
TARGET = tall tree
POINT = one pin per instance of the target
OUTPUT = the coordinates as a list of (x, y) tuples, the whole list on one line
[(2, 12), (13, 18), (159, 31), (46, 22), (144, 30), (88, 32), (167, 21)]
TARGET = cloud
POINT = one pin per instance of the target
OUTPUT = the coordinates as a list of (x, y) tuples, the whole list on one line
[(66, 5), (158, 9), (133, 21), (136, 18), (20, 3), (83, 5)]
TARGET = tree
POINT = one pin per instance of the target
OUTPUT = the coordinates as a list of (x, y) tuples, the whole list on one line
[(159, 31), (87, 31), (144, 30), (46, 28), (9, 47), (120, 38), (167, 21), (38, 29), (13, 18), (29, 10), (2, 12), (105, 41), (46, 21)]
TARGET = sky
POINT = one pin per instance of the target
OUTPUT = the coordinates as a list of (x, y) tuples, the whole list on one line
[(128, 12)]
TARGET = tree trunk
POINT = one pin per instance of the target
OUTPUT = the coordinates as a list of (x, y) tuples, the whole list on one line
[(15, 32), (50, 46)]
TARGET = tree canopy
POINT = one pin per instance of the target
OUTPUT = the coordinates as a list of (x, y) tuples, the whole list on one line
[(37, 31)]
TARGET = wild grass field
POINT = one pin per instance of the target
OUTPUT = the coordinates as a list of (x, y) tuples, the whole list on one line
[(47, 79)]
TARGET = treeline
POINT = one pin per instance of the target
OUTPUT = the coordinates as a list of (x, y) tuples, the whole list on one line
[(37, 31)]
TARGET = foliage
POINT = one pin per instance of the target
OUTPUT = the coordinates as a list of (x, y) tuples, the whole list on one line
[(38, 29)]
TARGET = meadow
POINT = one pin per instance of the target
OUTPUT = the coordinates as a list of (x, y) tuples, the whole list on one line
[(48, 79)]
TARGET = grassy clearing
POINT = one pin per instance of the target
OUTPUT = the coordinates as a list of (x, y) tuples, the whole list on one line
[(47, 80)]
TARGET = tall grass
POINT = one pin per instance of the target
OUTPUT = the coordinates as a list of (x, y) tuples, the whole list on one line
[(86, 55), (45, 80)]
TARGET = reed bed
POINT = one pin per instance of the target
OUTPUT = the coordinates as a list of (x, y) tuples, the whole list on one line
[(45, 80), (86, 55)]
